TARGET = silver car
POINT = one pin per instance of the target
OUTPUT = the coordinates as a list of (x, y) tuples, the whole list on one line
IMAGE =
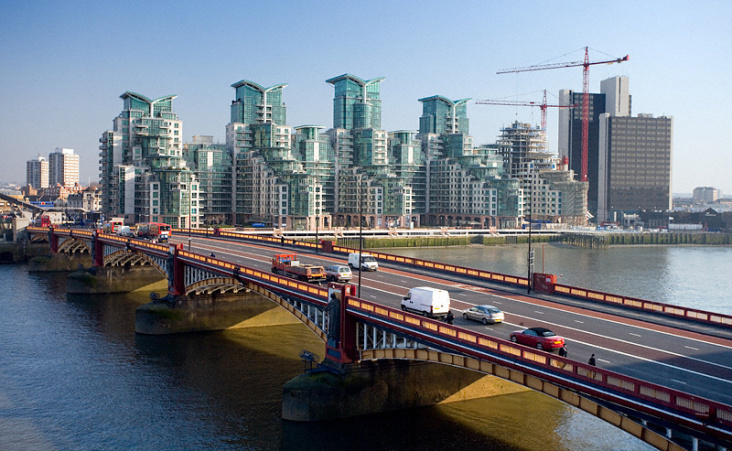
[(486, 314), (338, 273)]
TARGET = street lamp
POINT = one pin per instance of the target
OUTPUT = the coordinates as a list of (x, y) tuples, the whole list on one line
[(317, 245), (360, 235), (189, 214)]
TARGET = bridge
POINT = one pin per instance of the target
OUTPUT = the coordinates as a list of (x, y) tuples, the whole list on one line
[(356, 330)]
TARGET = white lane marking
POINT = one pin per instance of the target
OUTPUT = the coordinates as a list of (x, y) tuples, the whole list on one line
[(567, 312), (635, 335), (603, 360), (584, 331), (540, 313), (645, 359), (693, 349), (578, 321), (678, 381)]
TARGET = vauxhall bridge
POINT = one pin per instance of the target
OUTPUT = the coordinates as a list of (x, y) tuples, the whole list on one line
[(664, 372)]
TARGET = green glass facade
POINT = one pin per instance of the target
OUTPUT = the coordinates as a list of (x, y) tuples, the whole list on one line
[(142, 166)]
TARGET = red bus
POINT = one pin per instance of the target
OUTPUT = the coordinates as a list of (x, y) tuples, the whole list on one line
[(154, 230)]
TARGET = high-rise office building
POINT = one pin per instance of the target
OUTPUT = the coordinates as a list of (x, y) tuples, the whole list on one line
[(629, 158), (37, 173), (635, 165), (143, 174), (705, 195), (63, 167)]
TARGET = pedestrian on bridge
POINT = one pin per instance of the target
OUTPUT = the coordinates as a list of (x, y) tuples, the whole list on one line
[(450, 317), (592, 360), (563, 351)]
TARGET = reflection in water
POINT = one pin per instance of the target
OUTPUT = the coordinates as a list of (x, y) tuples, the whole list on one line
[(76, 376)]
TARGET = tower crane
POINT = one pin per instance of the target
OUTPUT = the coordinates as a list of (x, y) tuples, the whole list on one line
[(585, 93), (543, 105)]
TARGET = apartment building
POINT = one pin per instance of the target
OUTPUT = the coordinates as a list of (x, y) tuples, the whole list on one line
[(143, 174)]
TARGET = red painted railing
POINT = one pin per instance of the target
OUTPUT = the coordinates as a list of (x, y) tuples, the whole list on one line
[(581, 377), (577, 292), (446, 335), (644, 305)]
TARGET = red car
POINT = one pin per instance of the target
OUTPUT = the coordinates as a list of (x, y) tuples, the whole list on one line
[(539, 338)]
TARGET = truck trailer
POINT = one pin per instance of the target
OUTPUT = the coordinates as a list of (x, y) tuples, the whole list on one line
[(288, 265)]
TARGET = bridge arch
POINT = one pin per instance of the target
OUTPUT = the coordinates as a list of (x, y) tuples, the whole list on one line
[(564, 395), (123, 257), (73, 245), (316, 319)]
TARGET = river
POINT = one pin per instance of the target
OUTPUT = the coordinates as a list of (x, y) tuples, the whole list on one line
[(75, 376), (692, 276)]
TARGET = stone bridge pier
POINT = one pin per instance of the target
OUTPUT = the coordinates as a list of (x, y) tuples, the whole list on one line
[(377, 386)]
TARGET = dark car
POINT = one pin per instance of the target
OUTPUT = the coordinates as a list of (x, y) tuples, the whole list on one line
[(539, 338)]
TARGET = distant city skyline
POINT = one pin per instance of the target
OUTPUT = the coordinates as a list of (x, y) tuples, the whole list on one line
[(65, 68)]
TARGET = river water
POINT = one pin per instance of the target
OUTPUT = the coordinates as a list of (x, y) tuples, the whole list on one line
[(692, 276), (75, 376)]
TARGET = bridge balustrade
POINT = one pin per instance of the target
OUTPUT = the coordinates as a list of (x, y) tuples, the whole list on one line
[(654, 400), (601, 383), (644, 305), (583, 293)]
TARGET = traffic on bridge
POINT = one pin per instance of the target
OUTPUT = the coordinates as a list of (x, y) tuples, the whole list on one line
[(681, 366)]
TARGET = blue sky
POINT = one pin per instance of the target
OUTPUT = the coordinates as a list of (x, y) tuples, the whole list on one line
[(65, 64)]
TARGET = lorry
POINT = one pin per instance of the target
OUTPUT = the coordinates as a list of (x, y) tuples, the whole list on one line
[(113, 225), (288, 265), (427, 301), (154, 231), (368, 262)]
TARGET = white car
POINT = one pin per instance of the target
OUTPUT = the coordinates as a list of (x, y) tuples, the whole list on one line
[(486, 314), (338, 273)]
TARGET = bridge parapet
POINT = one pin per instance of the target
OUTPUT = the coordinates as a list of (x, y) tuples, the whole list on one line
[(614, 389), (488, 276), (371, 325)]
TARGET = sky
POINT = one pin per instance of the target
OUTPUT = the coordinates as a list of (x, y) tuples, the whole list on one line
[(65, 65)]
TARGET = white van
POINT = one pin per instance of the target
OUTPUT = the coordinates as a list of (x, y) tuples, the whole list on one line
[(427, 301), (368, 262), (125, 231)]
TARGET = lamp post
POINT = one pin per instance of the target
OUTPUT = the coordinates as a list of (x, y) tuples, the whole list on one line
[(189, 214), (317, 243), (360, 235)]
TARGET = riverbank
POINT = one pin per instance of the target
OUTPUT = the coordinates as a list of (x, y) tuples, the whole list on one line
[(21, 251), (574, 239)]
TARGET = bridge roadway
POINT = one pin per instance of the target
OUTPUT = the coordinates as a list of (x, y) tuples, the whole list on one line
[(697, 361)]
